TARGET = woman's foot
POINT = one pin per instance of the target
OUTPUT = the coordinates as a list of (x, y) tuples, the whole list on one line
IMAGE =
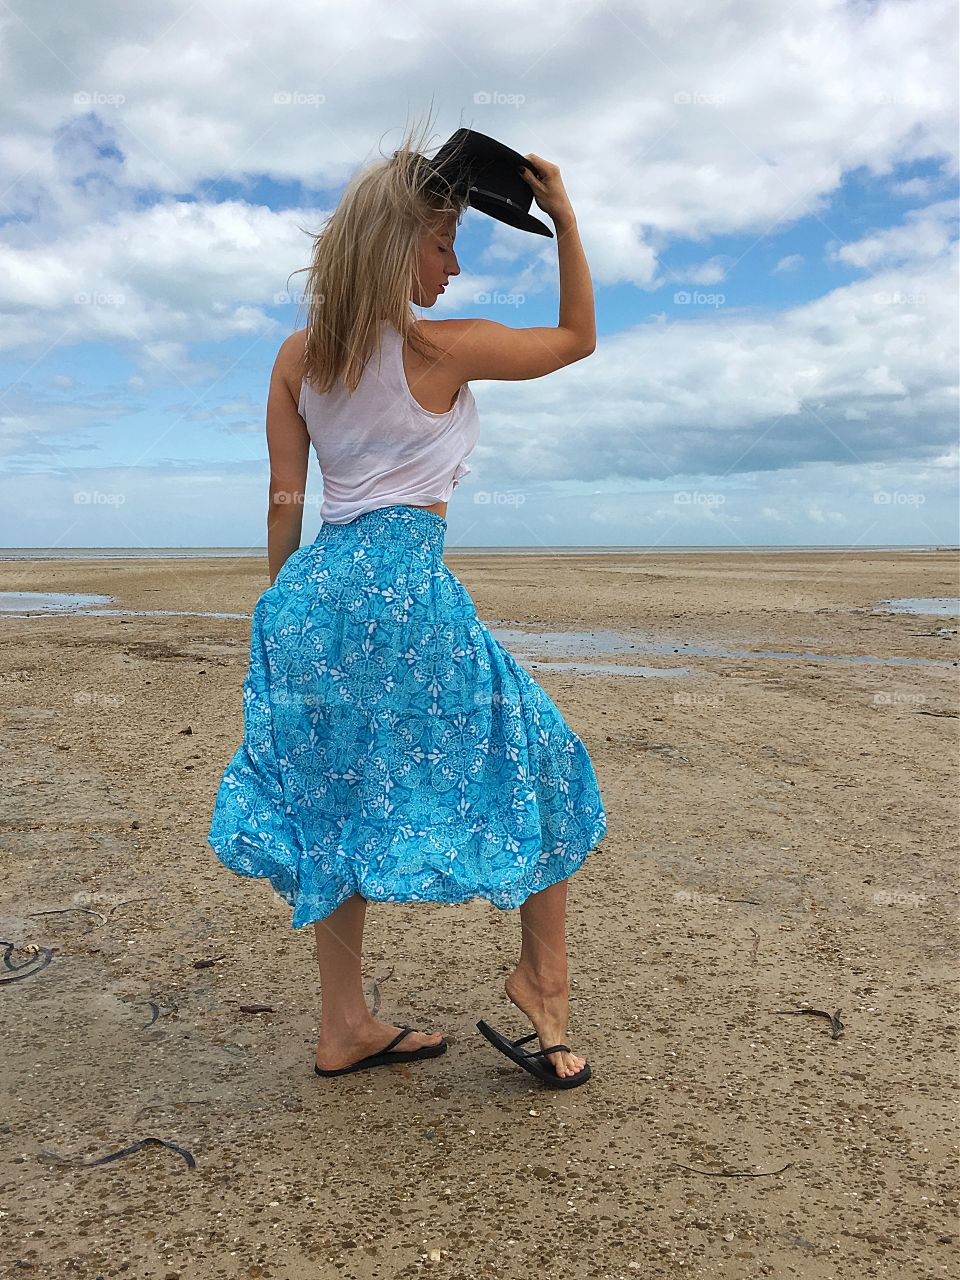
[(547, 1007), (347, 1048)]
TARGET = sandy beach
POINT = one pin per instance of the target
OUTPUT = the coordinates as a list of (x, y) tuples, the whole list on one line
[(782, 834)]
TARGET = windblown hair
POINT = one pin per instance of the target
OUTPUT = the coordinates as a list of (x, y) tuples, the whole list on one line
[(364, 265)]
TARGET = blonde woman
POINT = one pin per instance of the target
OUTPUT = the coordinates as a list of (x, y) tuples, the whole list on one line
[(393, 750)]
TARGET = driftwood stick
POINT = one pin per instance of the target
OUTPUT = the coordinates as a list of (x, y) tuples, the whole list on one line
[(836, 1026), (14, 974), (60, 911), (79, 1162), (734, 1173)]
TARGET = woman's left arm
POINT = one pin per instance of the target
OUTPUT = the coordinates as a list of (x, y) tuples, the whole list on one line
[(288, 442)]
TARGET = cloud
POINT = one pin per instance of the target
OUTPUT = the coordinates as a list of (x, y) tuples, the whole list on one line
[(159, 278), (711, 272), (865, 373), (923, 235), (739, 120), (791, 262)]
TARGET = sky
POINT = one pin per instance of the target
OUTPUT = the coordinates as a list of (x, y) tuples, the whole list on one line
[(766, 194)]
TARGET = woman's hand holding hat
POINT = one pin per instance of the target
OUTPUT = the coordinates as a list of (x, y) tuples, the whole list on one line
[(547, 185)]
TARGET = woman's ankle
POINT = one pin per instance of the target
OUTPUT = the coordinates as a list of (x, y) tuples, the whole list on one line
[(345, 1028), (547, 981)]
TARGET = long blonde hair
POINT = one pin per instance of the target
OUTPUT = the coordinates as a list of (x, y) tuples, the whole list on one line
[(363, 269)]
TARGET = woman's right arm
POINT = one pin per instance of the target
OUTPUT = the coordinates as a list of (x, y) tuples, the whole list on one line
[(486, 349), (577, 311)]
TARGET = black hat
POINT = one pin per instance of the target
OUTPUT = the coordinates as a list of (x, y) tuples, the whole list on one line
[(490, 174)]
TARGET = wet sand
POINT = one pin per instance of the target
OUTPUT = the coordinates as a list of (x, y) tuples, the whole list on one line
[(782, 833)]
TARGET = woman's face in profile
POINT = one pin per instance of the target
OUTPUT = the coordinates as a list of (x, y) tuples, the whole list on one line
[(437, 262)]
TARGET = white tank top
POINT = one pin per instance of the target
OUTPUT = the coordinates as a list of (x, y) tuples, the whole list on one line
[(379, 446)]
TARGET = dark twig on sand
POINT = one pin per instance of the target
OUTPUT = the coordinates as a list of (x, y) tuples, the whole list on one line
[(126, 901), (156, 1010), (733, 1173), (60, 911), (14, 974), (79, 1162), (836, 1026)]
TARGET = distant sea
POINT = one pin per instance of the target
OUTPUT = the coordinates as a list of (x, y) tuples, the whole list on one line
[(253, 553)]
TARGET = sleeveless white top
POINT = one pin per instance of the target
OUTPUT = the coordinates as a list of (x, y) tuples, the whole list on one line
[(378, 446)]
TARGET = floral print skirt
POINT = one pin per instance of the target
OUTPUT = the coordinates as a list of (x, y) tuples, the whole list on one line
[(392, 747)]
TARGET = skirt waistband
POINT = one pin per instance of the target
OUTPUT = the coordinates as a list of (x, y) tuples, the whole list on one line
[(413, 524)]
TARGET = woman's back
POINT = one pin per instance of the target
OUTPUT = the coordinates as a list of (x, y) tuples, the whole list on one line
[(379, 445)]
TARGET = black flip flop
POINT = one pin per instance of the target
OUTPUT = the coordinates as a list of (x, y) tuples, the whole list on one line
[(385, 1057), (535, 1061)]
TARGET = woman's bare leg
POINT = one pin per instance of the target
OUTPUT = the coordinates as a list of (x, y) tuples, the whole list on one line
[(348, 1030), (538, 984), (340, 957)]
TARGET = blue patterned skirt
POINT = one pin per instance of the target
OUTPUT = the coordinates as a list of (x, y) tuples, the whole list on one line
[(392, 746)]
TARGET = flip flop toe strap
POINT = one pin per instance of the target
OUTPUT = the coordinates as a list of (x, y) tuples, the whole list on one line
[(525, 1040), (396, 1040)]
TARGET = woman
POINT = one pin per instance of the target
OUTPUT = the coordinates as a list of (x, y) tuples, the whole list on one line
[(394, 751)]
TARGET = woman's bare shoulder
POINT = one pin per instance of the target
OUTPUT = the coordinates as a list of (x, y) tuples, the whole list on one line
[(291, 349), (443, 334), (290, 361)]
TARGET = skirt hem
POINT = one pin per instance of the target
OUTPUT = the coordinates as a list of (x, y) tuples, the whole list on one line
[(504, 899)]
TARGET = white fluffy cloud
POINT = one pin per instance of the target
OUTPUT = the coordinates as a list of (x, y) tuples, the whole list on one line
[(866, 373), (925, 235), (671, 121), (174, 272)]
